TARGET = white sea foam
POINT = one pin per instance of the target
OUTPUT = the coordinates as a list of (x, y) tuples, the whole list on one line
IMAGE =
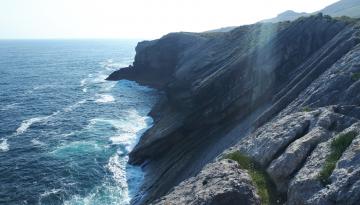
[(84, 90), (37, 142), (100, 78), (117, 167), (4, 146), (110, 65), (131, 129), (108, 192), (10, 106), (83, 82), (77, 148), (27, 123), (24, 126), (107, 86), (112, 194), (42, 87), (128, 178), (114, 123), (74, 106), (125, 139), (105, 98), (69, 134), (48, 193)]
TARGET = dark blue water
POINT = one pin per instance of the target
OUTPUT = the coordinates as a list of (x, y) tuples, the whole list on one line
[(65, 132)]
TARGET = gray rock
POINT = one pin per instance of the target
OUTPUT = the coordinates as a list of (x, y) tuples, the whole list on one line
[(282, 168), (219, 183), (266, 143), (294, 161), (305, 187), (306, 182)]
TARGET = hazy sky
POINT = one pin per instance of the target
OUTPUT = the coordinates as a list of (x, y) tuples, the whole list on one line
[(135, 18)]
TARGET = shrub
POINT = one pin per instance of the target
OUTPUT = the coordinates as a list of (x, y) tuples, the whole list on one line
[(338, 146)]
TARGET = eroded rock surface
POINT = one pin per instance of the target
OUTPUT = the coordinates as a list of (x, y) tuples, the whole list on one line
[(296, 166), (222, 182)]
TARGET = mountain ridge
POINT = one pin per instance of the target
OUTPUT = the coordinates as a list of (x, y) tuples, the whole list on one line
[(350, 8)]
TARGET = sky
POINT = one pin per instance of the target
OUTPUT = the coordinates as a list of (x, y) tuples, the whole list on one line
[(144, 19)]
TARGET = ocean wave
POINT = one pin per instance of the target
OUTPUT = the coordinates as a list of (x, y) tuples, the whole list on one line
[(105, 98), (100, 78), (107, 86), (95, 81), (131, 129), (117, 167), (78, 148), (132, 123), (69, 134), (37, 142), (48, 193), (10, 106), (4, 146), (102, 194), (24, 126), (74, 106), (124, 139), (42, 87), (127, 177), (112, 122), (83, 82), (110, 65), (108, 192)]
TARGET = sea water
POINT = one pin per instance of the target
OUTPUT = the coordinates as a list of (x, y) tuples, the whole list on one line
[(65, 132)]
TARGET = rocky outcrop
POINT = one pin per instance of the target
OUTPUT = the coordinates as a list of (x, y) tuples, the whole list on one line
[(275, 92), (156, 61), (294, 163), (305, 187), (221, 182)]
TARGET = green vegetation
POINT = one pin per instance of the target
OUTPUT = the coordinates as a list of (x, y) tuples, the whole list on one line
[(347, 19), (306, 109), (355, 76), (264, 186), (338, 146), (211, 34)]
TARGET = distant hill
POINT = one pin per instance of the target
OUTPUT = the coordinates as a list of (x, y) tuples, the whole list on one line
[(223, 29), (349, 8), (285, 16)]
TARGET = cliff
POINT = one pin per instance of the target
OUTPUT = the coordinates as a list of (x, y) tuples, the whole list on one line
[(278, 94)]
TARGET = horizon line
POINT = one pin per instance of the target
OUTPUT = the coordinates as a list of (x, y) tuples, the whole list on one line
[(66, 38)]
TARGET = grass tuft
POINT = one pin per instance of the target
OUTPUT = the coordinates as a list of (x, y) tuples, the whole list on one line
[(338, 146), (264, 186)]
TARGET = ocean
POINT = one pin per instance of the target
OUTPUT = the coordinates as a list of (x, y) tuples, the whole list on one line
[(65, 132)]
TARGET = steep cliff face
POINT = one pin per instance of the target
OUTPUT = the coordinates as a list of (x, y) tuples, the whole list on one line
[(224, 90)]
